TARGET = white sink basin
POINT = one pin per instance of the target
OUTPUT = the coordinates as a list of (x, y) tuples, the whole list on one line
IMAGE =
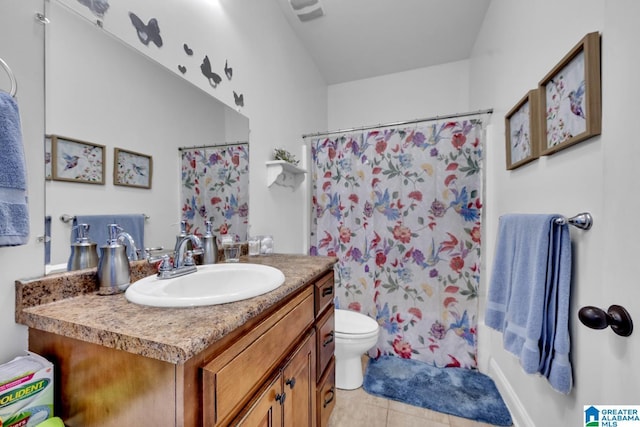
[(210, 285)]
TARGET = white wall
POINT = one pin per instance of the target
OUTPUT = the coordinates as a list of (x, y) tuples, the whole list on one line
[(285, 96), (414, 94), (519, 43), (26, 59)]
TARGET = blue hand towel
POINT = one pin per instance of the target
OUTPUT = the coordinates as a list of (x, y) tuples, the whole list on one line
[(98, 231), (14, 212), (529, 291)]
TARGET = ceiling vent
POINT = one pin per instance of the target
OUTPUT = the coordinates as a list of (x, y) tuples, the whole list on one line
[(306, 10)]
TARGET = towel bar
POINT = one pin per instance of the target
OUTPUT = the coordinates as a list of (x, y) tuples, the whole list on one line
[(14, 83), (69, 218), (583, 221)]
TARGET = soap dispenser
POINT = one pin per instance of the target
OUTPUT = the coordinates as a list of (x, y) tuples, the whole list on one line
[(84, 252), (114, 272), (209, 246)]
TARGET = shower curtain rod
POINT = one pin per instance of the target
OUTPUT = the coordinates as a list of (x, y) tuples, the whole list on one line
[(405, 122), (228, 144)]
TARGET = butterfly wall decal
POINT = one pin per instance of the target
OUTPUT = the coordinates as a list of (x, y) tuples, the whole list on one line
[(146, 32), (187, 49), (228, 70), (205, 67), (97, 7), (239, 99)]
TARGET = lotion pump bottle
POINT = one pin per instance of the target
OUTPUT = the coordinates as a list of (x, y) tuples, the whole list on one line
[(209, 246), (114, 271), (84, 252)]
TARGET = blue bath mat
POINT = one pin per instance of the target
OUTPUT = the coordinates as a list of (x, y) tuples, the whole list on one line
[(461, 392)]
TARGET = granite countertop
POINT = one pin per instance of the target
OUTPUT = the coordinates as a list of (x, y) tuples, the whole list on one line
[(67, 304)]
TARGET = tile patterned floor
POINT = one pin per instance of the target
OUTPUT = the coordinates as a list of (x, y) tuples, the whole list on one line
[(357, 408)]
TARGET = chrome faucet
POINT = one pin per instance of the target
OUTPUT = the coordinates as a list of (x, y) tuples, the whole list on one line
[(182, 259), (122, 236), (179, 256)]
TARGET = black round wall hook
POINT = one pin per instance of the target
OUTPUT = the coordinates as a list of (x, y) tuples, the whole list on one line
[(616, 316)]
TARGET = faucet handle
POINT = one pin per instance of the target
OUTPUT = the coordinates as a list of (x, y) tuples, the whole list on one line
[(188, 259), (146, 253), (165, 262)]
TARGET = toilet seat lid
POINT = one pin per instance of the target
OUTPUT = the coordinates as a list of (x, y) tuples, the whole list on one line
[(351, 322)]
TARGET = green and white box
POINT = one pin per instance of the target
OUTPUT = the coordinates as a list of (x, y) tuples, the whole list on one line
[(26, 391)]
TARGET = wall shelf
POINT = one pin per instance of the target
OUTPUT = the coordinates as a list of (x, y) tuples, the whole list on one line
[(284, 174)]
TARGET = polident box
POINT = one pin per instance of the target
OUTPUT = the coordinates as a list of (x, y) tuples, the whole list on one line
[(26, 391)]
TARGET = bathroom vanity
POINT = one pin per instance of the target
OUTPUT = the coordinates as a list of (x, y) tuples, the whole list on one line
[(265, 361)]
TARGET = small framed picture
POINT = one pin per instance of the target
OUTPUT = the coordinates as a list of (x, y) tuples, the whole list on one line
[(76, 161), (132, 169), (571, 97), (522, 129), (47, 157)]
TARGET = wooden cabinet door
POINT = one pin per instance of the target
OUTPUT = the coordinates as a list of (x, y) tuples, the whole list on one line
[(325, 341), (299, 385), (326, 395), (267, 409)]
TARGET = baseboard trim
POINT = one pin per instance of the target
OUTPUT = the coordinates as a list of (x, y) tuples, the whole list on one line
[(518, 412)]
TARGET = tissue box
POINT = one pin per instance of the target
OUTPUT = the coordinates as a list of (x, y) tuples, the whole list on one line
[(26, 391)]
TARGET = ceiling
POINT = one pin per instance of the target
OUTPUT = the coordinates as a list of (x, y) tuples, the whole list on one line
[(357, 39)]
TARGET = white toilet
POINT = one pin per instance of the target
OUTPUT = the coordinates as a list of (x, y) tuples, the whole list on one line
[(355, 333)]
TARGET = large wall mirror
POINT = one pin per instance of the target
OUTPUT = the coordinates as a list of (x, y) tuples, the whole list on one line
[(104, 93)]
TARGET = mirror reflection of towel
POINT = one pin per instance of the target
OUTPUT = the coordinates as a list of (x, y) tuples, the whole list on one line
[(14, 212), (98, 231)]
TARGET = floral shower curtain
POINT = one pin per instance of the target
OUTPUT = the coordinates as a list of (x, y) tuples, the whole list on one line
[(401, 210), (215, 187)]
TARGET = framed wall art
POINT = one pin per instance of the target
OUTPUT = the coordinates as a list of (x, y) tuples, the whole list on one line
[(47, 158), (571, 97), (76, 161), (132, 169), (522, 129)]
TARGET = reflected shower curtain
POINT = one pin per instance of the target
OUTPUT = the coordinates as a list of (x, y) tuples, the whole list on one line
[(401, 210), (215, 187)]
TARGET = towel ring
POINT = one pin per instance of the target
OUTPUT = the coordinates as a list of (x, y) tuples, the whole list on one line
[(14, 83)]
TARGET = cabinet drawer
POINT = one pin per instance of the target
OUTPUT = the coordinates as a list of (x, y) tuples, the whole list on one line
[(325, 343), (326, 394), (324, 292), (226, 388)]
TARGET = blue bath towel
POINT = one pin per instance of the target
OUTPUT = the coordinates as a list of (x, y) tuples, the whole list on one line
[(529, 292), (98, 231), (14, 213)]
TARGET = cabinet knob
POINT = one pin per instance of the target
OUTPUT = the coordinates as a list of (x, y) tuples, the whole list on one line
[(291, 382), (280, 397)]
